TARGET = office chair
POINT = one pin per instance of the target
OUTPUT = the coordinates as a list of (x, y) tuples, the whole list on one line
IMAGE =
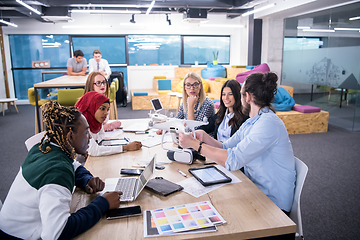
[(31, 97), (68, 97), (113, 106), (295, 213), (31, 141)]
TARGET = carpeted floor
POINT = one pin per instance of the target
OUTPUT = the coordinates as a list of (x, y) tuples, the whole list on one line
[(329, 202)]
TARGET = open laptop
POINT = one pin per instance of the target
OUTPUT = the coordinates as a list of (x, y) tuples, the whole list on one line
[(130, 186)]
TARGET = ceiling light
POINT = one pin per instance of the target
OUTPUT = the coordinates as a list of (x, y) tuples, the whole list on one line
[(354, 18), (258, 9), (8, 23), (104, 11), (86, 26), (221, 25), (347, 29), (150, 7), (29, 7), (110, 5), (318, 30), (299, 27)]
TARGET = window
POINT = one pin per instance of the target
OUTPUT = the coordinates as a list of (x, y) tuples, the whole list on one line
[(27, 48), (204, 49), (154, 49), (113, 49)]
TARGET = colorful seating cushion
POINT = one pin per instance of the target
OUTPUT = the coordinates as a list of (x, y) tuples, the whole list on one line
[(263, 68), (162, 92), (306, 109), (140, 93), (283, 101), (164, 84)]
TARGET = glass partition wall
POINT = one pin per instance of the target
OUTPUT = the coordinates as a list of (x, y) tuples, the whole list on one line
[(321, 59)]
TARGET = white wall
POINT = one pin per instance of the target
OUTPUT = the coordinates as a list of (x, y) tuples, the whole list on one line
[(110, 24)]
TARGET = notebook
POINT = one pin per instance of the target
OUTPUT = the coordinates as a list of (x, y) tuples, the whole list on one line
[(137, 127), (131, 186)]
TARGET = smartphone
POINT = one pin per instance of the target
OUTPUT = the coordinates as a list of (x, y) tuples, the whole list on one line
[(123, 212), (129, 171)]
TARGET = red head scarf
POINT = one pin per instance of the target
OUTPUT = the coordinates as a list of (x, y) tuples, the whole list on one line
[(88, 105)]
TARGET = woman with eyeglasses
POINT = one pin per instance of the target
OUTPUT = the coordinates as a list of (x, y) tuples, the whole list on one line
[(195, 104), (97, 82), (229, 117)]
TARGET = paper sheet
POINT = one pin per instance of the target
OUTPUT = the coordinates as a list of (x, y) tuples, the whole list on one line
[(194, 187), (153, 140), (113, 134)]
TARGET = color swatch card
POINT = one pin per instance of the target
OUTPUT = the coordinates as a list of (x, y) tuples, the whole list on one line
[(186, 217)]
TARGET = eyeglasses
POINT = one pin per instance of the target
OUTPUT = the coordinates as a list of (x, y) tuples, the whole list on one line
[(194, 85), (100, 83)]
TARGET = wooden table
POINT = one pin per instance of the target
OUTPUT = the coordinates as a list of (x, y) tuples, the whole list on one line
[(248, 211), (60, 82)]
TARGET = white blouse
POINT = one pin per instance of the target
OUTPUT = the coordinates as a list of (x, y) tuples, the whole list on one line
[(97, 150)]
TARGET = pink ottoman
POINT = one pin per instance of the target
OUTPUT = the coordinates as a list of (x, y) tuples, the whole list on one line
[(306, 109)]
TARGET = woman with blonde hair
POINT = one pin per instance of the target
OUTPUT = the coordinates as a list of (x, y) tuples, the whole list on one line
[(97, 82), (195, 104)]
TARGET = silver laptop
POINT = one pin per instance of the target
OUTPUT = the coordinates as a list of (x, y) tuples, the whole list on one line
[(131, 186)]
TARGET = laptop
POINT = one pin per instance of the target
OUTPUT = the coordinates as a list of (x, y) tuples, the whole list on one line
[(130, 186)]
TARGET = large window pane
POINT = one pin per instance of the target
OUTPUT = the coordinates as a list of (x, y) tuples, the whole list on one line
[(154, 49), (112, 48), (205, 49), (27, 48)]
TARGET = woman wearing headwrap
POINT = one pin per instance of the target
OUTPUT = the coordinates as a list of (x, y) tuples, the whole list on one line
[(95, 107)]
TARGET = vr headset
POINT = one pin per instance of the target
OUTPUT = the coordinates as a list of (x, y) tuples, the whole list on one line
[(187, 156)]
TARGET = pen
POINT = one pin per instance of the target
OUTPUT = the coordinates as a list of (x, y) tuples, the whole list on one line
[(127, 139), (209, 163), (181, 172)]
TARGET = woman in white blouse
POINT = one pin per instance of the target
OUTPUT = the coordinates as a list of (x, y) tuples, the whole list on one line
[(229, 117)]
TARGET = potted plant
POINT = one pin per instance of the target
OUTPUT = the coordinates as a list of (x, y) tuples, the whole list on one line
[(216, 55)]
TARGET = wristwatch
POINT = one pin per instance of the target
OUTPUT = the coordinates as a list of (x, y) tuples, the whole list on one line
[(199, 149)]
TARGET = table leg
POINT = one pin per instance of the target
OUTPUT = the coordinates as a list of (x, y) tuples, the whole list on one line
[(37, 109), (15, 107), (312, 90), (341, 96), (9, 106), (3, 108)]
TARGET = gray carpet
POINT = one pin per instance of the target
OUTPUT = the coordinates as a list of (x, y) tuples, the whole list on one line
[(329, 202)]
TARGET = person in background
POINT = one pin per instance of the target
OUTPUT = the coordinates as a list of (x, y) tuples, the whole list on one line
[(97, 63), (38, 203), (95, 107), (195, 104), (96, 81), (229, 117), (261, 145), (77, 65)]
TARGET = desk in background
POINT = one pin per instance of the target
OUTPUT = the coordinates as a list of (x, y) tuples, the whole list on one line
[(248, 211), (60, 82)]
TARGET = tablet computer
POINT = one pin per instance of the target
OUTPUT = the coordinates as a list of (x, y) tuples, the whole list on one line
[(114, 142), (156, 104), (209, 175)]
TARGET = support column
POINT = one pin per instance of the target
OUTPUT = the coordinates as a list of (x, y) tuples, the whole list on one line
[(273, 44)]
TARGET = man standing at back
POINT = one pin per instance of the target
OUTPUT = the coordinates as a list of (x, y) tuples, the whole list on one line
[(77, 65), (98, 64)]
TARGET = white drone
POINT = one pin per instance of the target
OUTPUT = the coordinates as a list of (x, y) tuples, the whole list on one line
[(175, 126)]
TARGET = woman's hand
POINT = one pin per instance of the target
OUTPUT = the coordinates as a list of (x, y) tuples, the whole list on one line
[(133, 146), (95, 184), (200, 135), (192, 100), (113, 199), (187, 141), (112, 126)]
